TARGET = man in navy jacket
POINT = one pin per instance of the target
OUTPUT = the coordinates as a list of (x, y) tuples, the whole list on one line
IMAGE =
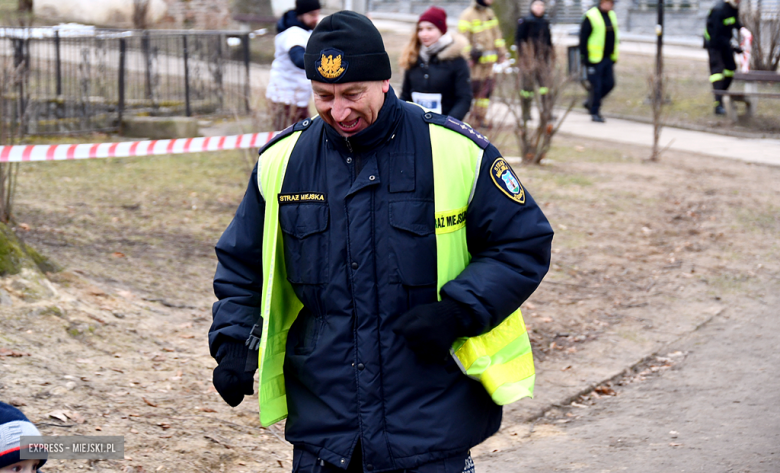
[(370, 384)]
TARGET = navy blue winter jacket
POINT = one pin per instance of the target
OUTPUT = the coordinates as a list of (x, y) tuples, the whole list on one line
[(358, 262)]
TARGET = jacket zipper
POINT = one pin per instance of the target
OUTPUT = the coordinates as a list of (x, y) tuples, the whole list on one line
[(349, 145)]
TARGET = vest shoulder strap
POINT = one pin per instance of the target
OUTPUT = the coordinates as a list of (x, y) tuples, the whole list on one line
[(457, 126), (302, 125), (265, 156)]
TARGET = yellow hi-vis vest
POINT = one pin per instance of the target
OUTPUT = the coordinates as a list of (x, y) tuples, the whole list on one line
[(500, 359), (598, 36)]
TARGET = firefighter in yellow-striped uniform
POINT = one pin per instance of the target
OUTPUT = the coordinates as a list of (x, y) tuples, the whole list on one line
[(486, 47), (720, 39)]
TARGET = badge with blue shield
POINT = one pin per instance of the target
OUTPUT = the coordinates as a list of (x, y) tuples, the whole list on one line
[(511, 182)]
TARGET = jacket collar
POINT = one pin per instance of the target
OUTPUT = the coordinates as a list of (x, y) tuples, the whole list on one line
[(288, 20), (378, 132)]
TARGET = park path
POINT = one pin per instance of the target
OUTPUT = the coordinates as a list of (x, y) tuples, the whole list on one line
[(750, 150), (713, 408)]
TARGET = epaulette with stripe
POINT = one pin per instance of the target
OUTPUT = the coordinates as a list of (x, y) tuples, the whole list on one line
[(457, 125), (300, 126)]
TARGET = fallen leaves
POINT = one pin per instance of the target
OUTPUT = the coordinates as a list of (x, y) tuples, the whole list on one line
[(63, 416), (59, 415), (12, 353), (164, 425), (605, 390), (118, 254), (149, 403), (218, 441)]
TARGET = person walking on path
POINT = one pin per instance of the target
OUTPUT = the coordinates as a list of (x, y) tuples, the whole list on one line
[(535, 55), (436, 75), (289, 91), (721, 44), (599, 43), (380, 251), (479, 24)]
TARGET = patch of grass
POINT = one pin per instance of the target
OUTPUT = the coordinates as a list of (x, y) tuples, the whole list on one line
[(136, 220), (729, 283), (760, 219), (572, 180), (688, 90)]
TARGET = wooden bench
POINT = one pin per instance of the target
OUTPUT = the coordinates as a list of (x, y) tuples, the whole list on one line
[(750, 95)]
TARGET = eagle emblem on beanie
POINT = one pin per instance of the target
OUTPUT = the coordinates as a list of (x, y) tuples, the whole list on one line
[(331, 65)]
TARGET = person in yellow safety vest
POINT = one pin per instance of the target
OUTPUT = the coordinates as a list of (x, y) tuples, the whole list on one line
[(599, 42), (486, 47), (382, 252), (721, 44)]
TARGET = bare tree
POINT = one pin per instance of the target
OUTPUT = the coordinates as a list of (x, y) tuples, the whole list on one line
[(535, 81), (656, 81), (14, 98), (764, 24), (25, 6), (140, 14)]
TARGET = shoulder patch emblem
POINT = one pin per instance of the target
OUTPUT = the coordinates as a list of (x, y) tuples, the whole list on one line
[(505, 179), (331, 65)]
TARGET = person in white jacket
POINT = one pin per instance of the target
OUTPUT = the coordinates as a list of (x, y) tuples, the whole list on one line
[(289, 91)]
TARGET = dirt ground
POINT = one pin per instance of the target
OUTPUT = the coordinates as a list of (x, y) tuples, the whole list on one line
[(685, 411), (643, 253)]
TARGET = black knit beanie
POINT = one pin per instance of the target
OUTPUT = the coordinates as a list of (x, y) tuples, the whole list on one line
[(305, 6), (346, 47)]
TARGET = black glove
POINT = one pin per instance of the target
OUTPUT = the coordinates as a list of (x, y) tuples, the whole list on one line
[(431, 329), (230, 376), (739, 50), (475, 54)]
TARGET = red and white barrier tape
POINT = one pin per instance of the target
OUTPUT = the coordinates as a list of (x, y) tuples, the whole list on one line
[(23, 153)]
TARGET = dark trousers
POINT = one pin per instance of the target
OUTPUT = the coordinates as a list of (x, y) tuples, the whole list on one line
[(722, 67), (528, 80), (602, 81), (305, 462)]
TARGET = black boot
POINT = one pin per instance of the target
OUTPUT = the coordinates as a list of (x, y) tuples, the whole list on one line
[(719, 110)]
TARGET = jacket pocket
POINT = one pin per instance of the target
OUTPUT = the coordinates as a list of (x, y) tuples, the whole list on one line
[(305, 242), (413, 245)]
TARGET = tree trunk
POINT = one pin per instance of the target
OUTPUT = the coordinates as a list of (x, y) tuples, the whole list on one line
[(26, 6)]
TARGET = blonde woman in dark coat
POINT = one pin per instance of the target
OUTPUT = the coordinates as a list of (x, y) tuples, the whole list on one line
[(436, 71)]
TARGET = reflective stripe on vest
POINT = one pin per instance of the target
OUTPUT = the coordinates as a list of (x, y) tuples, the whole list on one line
[(500, 359), (280, 305), (598, 35)]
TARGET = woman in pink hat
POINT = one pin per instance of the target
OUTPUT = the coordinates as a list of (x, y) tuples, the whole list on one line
[(436, 72)]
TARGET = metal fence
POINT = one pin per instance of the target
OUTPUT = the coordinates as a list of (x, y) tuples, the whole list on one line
[(66, 82)]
